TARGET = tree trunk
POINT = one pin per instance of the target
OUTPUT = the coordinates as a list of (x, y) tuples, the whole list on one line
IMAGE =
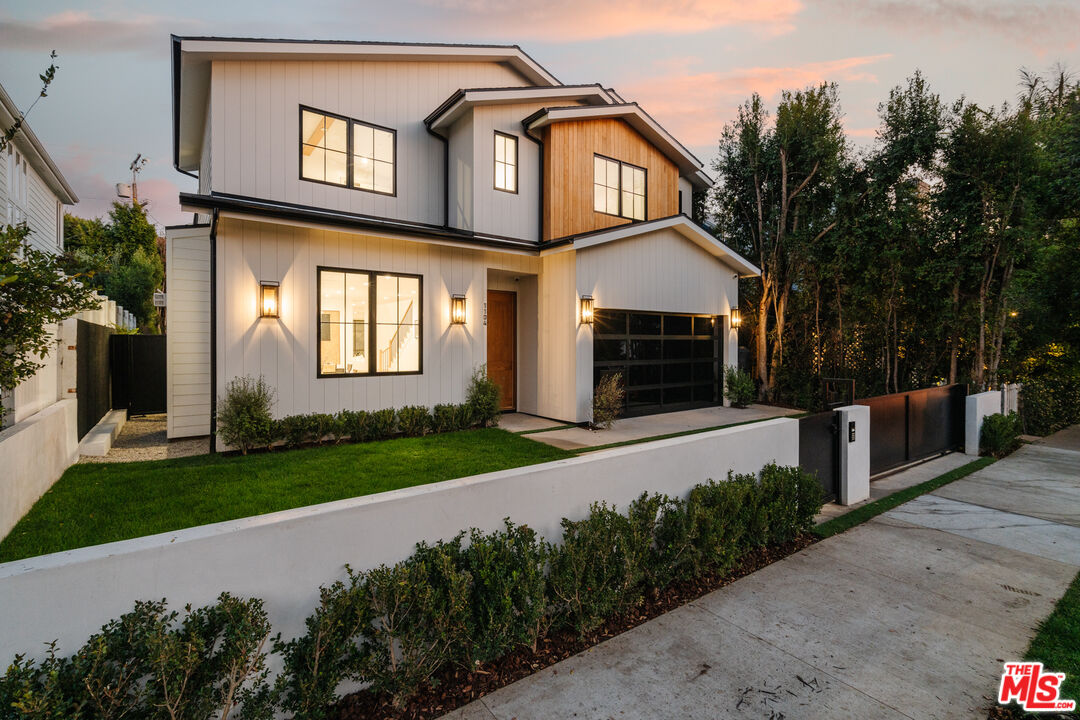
[(954, 338), (761, 333)]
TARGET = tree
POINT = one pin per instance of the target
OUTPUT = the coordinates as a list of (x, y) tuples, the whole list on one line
[(776, 198), (35, 293)]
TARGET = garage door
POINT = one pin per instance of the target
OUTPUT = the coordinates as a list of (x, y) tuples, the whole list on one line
[(668, 361)]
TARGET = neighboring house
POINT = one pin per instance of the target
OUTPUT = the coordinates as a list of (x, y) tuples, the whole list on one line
[(364, 192), (32, 191)]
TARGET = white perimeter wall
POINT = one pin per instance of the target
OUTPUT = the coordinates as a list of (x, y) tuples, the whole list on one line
[(284, 557)]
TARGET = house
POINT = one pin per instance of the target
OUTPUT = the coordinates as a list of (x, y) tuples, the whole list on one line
[(376, 220), (32, 191)]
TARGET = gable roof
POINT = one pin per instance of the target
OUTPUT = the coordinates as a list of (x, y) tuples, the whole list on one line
[(191, 58), (679, 223), (463, 100), (34, 152), (689, 166)]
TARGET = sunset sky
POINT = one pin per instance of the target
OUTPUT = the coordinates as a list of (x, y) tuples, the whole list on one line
[(689, 63)]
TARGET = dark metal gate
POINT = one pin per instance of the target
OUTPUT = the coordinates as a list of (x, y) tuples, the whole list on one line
[(913, 425), (819, 451), (138, 373), (92, 374)]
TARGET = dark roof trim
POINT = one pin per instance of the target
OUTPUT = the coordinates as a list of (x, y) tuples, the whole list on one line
[(450, 101), (353, 221)]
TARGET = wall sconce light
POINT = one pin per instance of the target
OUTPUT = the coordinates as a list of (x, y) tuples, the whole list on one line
[(586, 309), (457, 309), (268, 299), (736, 318)]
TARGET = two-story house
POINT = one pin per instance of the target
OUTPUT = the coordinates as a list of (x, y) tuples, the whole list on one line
[(376, 220)]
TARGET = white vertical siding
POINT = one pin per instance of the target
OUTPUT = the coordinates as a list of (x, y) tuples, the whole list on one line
[(557, 386), (502, 213), (256, 135), (284, 350), (462, 173), (32, 201), (686, 196), (188, 340)]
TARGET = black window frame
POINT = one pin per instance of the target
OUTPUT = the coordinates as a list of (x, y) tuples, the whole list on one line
[(621, 163), (495, 163), (349, 154), (372, 343)]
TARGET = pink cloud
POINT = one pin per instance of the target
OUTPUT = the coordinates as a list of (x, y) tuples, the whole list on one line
[(571, 20), (74, 30), (695, 106)]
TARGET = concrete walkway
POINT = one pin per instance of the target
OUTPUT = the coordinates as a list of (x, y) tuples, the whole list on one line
[(638, 428), (909, 615)]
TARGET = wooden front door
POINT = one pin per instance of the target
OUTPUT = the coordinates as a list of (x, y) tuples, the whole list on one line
[(502, 344)]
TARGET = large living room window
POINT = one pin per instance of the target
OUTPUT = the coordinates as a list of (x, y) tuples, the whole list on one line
[(340, 151), (369, 322), (618, 188)]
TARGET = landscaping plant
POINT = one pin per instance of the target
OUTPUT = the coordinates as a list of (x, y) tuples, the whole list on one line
[(608, 400), (243, 414), (739, 387), (1000, 434), (381, 424), (414, 420), (484, 397)]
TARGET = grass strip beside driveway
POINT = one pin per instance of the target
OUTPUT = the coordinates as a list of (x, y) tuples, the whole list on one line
[(99, 503), (1057, 644), (861, 514)]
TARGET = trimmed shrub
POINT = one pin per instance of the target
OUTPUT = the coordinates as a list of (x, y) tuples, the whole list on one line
[(608, 401), (356, 424), (675, 554), (414, 420), (243, 414), (739, 387), (484, 397), (719, 513), (1000, 434), (381, 424), (339, 428), (294, 429), (316, 663), (446, 418), (320, 427), (593, 572), (507, 605), (419, 619)]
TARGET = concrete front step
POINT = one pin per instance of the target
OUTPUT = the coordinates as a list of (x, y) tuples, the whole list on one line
[(99, 440)]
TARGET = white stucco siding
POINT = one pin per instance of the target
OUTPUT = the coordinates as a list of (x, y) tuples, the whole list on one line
[(285, 350), (256, 136), (188, 340)]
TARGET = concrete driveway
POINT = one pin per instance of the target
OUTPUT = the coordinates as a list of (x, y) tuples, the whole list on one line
[(909, 615)]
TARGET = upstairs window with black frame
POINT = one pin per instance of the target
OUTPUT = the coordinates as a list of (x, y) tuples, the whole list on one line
[(340, 151), (370, 323), (618, 188), (505, 162)]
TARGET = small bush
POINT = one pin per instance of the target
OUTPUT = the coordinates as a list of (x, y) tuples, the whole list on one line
[(608, 401), (414, 420), (506, 600), (339, 428), (675, 554), (243, 414), (739, 387), (448, 418), (294, 430), (484, 397), (719, 514), (419, 619), (1000, 434), (356, 424), (320, 427), (316, 663), (382, 424)]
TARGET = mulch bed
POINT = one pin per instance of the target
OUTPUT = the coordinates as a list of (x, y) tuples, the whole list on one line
[(456, 687)]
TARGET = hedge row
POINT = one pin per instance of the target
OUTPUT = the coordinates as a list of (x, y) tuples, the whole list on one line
[(470, 600), (245, 420)]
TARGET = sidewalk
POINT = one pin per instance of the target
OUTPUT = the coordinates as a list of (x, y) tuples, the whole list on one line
[(908, 615)]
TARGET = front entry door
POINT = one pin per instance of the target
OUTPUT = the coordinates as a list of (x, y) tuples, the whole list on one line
[(502, 344)]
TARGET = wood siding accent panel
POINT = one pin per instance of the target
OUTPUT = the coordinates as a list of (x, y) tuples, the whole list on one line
[(187, 343), (569, 148)]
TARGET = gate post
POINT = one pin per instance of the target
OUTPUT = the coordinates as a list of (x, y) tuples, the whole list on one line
[(854, 454)]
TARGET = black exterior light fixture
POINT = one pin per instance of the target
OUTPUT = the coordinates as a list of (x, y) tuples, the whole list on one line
[(457, 309), (736, 318), (586, 309), (269, 299)]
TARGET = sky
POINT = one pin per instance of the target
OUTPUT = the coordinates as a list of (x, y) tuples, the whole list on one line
[(689, 63)]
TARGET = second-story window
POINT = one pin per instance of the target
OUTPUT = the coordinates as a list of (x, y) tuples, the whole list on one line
[(618, 188), (505, 162), (350, 153)]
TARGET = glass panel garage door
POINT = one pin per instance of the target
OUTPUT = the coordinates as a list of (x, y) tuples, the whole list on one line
[(668, 361)]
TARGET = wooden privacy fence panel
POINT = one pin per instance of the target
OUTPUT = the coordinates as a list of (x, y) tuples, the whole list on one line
[(912, 425), (93, 387)]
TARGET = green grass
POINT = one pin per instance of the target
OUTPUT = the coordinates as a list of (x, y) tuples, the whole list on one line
[(1057, 644), (861, 514), (100, 503)]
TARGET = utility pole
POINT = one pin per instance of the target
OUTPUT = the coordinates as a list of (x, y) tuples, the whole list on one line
[(136, 166)]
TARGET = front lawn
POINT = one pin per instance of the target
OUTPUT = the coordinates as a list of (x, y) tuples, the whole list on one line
[(99, 503)]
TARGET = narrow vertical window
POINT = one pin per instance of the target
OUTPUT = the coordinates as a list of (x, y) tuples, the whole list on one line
[(505, 162), (605, 185), (324, 148), (373, 158), (633, 192)]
